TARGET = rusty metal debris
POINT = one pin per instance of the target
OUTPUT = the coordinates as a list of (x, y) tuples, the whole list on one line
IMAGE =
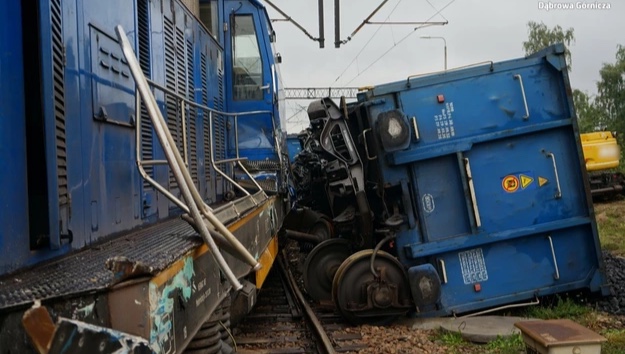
[(71, 336)]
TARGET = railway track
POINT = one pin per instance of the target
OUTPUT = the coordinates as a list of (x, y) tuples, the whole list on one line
[(284, 321)]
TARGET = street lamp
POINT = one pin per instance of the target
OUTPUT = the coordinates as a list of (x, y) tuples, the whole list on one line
[(444, 41)]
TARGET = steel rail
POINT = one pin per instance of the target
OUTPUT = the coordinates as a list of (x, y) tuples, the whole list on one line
[(327, 347)]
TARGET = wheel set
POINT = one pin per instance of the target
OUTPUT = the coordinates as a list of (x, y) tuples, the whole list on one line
[(365, 286)]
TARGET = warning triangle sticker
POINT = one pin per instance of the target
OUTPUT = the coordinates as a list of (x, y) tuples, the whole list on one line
[(525, 181), (542, 181)]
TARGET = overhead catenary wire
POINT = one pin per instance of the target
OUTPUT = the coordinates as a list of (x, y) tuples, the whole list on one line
[(290, 19), (295, 120), (435, 9), (398, 43), (366, 20), (301, 108), (366, 44)]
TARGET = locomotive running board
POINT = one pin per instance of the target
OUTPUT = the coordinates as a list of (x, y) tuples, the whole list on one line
[(121, 283)]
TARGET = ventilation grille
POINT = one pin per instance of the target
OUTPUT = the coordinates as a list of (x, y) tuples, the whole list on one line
[(58, 73), (204, 79), (220, 97), (147, 143), (179, 78), (144, 36), (207, 145), (170, 82), (192, 121), (181, 82), (220, 122)]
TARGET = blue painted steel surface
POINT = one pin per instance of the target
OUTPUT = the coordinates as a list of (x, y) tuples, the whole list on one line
[(14, 214), (104, 172), (48, 95), (94, 189), (294, 146), (501, 199)]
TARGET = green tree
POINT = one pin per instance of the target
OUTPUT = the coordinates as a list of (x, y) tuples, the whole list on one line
[(611, 93), (540, 36), (589, 115)]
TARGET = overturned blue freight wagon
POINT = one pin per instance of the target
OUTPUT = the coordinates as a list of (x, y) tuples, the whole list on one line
[(453, 192)]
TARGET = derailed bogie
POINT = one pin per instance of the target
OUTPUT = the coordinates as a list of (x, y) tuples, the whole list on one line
[(365, 215), (329, 171)]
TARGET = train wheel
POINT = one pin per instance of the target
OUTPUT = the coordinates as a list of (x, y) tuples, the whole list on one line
[(321, 264), (363, 298), (322, 228)]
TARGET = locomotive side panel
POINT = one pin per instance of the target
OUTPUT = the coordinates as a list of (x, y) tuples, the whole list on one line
[(83, 179), (13, 185), (108, 182)]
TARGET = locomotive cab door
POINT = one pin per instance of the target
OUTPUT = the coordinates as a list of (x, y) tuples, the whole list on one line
[(250, 80)]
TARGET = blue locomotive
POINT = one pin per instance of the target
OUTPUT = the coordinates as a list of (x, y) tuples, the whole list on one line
[(127, 129), (451, 193)]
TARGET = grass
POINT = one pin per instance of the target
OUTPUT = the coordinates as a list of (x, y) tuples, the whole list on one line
[(555, 307), (450, 339), (610, 217), (611, 224), (506, 345), (616, 341), (560, 308), (455, 344)]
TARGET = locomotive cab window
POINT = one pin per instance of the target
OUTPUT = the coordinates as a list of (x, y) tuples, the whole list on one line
[(247, 63), (209, 10)]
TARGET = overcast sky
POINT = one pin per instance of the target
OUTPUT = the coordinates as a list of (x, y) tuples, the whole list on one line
[(477, 31)]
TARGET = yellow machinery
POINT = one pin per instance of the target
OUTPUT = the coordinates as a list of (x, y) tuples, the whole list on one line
[(602, 155)]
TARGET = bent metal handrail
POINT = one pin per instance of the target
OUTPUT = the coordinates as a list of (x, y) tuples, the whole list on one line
[(207, 211), (242, 254), (195, 206), (238, 160)]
